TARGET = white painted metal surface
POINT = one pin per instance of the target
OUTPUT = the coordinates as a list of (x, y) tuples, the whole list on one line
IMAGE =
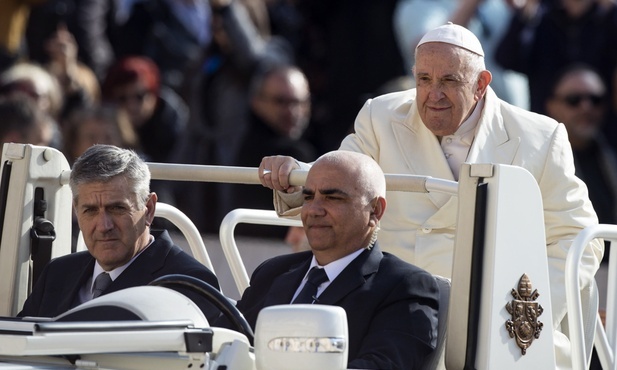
[(514, 244), (606, 337), (188, 230), (31, 167), (514, 206), (228, 242)]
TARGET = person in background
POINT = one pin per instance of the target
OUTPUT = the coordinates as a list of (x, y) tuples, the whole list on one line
[(391, 305), (34, 81), (23, 122), (217, 93), (158, 115), (115, 210), (543, 37), (172, 33), (579, 100), (217, 96), (104, 124), (80, 86), (91, 22), (348, 50), (280, 111), (13, 20), (453, 116)]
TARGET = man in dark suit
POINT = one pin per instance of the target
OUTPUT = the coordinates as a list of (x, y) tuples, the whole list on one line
[(114, 208), (391, 305)]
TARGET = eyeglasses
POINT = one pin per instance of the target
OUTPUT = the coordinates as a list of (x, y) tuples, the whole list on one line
[(574, 100), (284, 101)]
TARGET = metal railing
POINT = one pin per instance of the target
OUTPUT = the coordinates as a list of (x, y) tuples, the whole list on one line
[(605, 340)]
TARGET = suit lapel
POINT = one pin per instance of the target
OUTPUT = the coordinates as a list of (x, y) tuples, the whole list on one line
[(421, 151), (142, 270), (352, 277), (283, 287), (492, 144), (79, 276)]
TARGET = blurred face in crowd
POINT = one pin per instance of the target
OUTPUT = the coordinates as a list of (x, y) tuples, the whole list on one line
[(114, 222), (43, 134), (95, 131), (579, 102), (137, 101), (448, 85), (284, 103), (29, 88), (576, 8), (23, 121)]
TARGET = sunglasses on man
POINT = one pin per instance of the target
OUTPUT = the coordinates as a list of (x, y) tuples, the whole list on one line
[(575, 100)]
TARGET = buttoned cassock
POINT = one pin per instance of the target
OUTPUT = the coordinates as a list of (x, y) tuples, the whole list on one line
[(420, 227)]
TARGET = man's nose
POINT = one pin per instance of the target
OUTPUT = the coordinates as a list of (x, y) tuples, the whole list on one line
[(315, 208), (436, 92), (104, 221)]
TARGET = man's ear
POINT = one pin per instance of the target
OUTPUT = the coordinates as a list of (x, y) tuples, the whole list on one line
[(484, 79), (379, 208), (150, 208)]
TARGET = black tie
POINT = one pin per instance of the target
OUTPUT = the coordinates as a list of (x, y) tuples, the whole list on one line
[(100, 284), (316, 277)]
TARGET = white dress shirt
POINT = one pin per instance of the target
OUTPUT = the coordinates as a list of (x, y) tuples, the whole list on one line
[(333, 269), (85, 293)]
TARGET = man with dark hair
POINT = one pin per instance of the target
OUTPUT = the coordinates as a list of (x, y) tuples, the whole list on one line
[(23, 122), (115, 209)]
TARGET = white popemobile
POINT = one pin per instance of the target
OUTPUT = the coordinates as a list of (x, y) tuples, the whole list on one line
[(496, 314)]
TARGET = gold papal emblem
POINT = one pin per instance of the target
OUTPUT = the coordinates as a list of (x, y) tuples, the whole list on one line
[(524, 325)]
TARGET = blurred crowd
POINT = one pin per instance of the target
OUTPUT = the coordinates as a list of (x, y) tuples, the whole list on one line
[(226, 82)]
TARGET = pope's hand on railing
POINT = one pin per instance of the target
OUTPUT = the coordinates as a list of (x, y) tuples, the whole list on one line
[(274, 173)]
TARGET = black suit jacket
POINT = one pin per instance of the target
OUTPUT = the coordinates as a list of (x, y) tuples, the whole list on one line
[(58, 287), (391, 305)]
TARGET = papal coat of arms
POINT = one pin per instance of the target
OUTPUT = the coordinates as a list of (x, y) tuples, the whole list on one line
[(524, 325)]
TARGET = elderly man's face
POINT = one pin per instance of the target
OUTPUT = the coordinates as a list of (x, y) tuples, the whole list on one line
[(113, 224), (447, 89), (335, 213)]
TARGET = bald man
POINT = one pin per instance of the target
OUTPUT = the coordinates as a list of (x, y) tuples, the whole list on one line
[(391, 305)]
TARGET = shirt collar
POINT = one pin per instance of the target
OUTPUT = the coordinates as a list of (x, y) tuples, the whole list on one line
[(466, 131), (118, 270), (334, 268)]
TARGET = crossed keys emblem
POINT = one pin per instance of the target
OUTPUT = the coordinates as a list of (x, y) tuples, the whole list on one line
[(524, 325)]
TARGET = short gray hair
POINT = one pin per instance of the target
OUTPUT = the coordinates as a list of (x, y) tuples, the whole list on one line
[(102, 163)]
